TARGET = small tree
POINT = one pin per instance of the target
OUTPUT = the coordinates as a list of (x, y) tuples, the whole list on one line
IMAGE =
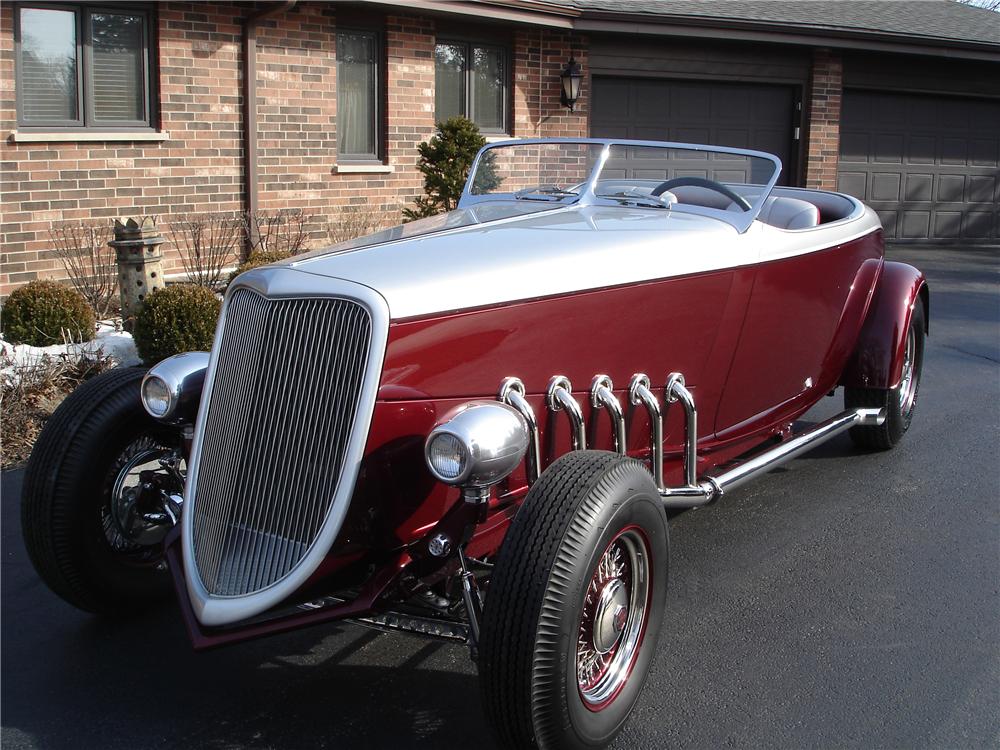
[(445, 161)]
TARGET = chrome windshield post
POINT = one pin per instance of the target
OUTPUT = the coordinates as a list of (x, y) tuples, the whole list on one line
[(602, 396), (512, 393), (559, 397)]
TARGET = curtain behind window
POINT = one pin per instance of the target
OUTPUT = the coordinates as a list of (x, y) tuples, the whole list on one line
[(356, 92)]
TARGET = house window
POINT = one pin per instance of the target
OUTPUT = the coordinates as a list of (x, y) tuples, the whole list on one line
[(470, 80), (83, 67), (358, 111)]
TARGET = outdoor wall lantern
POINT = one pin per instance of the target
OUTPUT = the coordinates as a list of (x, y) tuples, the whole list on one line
[(571, 78)]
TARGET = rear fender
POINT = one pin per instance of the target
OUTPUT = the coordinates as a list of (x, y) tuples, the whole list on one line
[(877, 361)]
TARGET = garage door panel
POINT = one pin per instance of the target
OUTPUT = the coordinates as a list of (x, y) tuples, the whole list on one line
[(982, 189), (854, 148), (921, 149), (888, 219), (720, 113), (885, 186), (919, 187), (733, 105), (927, 164), (951, 188), (888, 148), (916, 224), (948, 224), (852, 183), (976, 224), (687, 102), (983, 152)]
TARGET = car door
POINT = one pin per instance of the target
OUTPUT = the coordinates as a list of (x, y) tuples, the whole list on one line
[(805, 310)]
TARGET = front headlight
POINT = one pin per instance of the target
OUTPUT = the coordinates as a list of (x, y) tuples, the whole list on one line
[(477, 446), (156, 397), (171, 389), (447, 456)]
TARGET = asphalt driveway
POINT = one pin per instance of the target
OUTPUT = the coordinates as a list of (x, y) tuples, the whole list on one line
[(846, 600)]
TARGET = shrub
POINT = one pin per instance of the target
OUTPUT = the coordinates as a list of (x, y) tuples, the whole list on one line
[(30, 391), (259, 258), (351, 222), (444, 162), (175, 319), (287, 231), (207, 243), (90, 263), (42, 313)]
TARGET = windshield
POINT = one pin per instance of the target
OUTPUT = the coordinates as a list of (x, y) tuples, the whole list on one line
[(730, 184)]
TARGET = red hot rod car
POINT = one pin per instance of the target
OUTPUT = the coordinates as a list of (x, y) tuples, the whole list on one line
[(472, 426)]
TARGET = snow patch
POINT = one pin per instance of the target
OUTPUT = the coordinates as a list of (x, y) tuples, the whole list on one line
[(109, 341)]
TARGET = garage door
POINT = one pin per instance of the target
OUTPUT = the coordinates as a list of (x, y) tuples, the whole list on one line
[(722, 114), (927, 164)]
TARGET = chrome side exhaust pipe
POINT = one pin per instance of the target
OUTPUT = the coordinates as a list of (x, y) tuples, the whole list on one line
[(694, 493)]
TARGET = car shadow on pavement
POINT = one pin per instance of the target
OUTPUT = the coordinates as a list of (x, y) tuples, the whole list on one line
[(76, 680)]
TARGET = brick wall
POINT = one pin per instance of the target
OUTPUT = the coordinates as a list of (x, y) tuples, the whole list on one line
[(199, 169), (540, 55), (823, 124)]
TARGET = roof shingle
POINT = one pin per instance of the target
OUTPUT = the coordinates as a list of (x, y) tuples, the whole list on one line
[(927, 19)]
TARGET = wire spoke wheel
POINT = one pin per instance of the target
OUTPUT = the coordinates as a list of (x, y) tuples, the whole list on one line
[(908, 384), (613, 619)]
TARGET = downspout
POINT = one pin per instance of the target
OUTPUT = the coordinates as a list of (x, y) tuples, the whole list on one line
[(250, 107)]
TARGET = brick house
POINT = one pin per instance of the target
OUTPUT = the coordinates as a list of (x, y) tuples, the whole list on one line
[(178, 108)]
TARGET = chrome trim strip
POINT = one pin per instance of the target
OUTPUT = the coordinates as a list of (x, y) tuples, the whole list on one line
[(512, 392), (559, 397), (278, 282), (695, 494), (602, 396)]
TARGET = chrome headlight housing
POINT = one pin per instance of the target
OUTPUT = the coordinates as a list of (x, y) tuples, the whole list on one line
[(171, 389), (478, 446)]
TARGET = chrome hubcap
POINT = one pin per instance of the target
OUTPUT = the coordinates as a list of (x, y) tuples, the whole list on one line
[(144, 455), (613, 619), (908, 383)]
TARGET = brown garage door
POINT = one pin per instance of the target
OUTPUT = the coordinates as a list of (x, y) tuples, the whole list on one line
[(927, 164), (722, 114)]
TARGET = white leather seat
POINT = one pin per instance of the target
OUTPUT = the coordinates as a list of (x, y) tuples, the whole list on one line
[(789, 213)]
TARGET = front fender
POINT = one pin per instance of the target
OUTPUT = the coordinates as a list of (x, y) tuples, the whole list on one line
[(877, 361)]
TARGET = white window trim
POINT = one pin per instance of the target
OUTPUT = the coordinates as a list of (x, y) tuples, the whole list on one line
[(45, 136)]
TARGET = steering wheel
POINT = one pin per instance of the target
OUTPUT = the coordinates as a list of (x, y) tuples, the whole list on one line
[(718, 187)]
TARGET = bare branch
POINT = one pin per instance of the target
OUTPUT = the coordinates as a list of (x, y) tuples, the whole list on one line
[(89, 262), (207, 244)]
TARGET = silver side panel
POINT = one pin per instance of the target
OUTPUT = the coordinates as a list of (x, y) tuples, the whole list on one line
[(281, 431)]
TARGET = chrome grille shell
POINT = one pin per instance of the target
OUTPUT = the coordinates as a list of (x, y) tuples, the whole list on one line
[(241, 557)]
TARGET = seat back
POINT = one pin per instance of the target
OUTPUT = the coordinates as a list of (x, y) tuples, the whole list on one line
[(789, 213)]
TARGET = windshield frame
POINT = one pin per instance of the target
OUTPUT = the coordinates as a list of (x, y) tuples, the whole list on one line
[(588, 197)]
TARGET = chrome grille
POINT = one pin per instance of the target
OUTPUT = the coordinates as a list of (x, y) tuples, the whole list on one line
[(285, 393)]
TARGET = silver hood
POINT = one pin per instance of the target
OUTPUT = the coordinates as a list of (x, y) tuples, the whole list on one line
[(496, 253)]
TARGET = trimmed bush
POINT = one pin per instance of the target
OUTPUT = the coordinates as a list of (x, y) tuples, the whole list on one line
[(42, 313), (259, 258), (176, 319), (445, 161)]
